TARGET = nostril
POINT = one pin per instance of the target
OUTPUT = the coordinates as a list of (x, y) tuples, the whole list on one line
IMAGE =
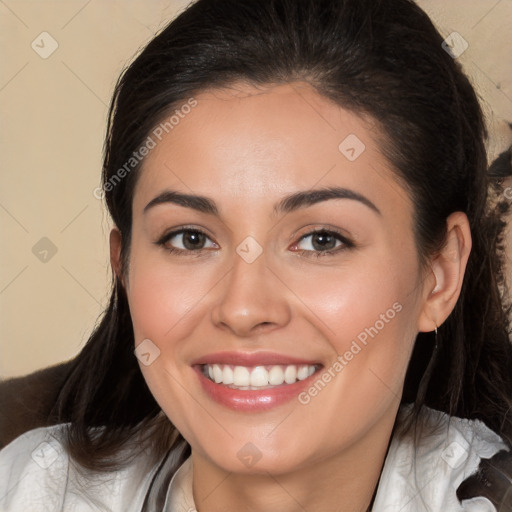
[(263, 326)]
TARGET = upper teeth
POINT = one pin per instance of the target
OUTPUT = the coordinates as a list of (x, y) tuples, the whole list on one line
[(257, 376)]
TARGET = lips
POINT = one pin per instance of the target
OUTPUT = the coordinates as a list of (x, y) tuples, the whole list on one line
[(253, 382)]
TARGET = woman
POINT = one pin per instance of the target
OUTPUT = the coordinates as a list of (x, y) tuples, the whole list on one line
[(307, 308)]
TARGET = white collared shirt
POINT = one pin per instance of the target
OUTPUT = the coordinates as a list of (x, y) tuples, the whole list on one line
[(36, 474)]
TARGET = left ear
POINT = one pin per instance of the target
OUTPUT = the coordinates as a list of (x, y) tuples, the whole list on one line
[(442, 287), (115, 253)]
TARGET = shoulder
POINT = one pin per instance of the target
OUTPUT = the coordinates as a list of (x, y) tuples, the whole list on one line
[(32, 469), (37, 474), (424, 470)]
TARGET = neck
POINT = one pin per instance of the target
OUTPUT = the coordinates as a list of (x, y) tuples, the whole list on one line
[(346, 481)]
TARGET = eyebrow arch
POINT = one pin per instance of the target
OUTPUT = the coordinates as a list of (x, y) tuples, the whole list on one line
[(288, 204), (199, 203), (311, 197)]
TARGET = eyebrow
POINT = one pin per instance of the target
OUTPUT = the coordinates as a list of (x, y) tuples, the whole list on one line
[(288, 204), (311, 197), (199, 203)]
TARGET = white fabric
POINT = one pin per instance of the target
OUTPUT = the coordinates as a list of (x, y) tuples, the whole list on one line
[(36, 475)]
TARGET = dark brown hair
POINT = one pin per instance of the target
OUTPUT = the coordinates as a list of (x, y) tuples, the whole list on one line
[(379, 58)]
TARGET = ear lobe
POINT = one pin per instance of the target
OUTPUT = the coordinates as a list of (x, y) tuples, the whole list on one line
[(448, 269), (115, 253)]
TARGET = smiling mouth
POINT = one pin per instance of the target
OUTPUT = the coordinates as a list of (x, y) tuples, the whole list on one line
[(257, 377)]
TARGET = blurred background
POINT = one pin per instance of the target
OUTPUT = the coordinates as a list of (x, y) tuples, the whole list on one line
[(59, 63)]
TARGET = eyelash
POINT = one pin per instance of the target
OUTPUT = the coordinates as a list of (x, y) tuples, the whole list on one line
[(181, 252), (347, 244)]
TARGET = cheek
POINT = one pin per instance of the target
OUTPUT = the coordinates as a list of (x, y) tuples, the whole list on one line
[(354, 296), (370, 329), (161, 297), (164, 303), (367, 312)]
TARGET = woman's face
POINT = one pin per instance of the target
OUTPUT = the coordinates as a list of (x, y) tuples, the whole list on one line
[(270, 241)]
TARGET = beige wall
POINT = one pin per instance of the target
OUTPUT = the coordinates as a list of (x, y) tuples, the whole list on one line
[(53, 116)]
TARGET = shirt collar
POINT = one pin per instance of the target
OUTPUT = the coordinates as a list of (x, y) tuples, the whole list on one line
[(179, 495)]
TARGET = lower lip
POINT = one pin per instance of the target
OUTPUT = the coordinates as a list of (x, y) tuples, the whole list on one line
[(252, 400)]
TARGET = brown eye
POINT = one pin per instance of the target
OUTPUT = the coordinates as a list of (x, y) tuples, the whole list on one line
[(323, 241), (320, 241), (193, 240), (188, 240)]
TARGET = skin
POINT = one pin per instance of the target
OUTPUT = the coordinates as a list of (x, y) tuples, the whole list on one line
[(246, 148)]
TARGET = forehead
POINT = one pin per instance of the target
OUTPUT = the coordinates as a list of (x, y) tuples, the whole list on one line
[(251, 144)]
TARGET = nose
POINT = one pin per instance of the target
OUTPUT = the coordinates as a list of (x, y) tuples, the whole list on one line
[(251, 300)]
